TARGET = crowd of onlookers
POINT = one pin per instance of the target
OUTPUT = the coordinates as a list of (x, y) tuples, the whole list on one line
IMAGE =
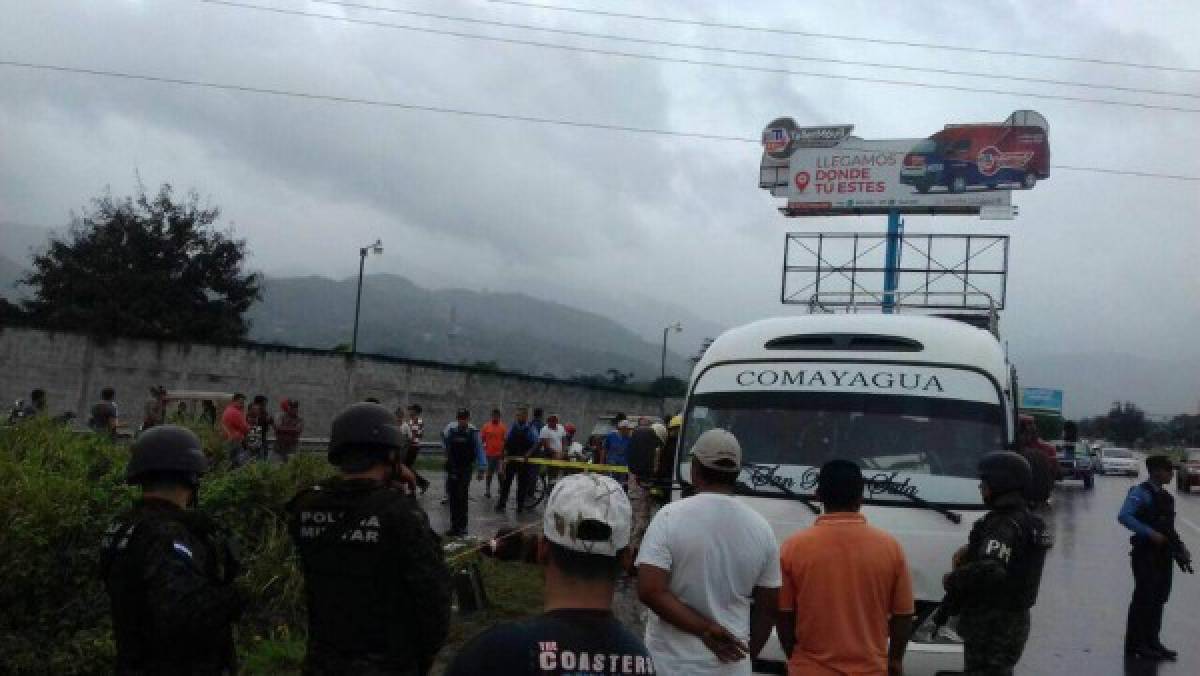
[(709, 569)]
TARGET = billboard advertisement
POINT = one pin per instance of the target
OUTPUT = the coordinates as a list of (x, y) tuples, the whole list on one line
[(960, 169), (1042, 398)]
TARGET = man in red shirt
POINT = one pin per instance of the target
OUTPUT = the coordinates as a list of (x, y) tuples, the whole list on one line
[(1042, 458), (846, 604), (234, 428), (493, 434)]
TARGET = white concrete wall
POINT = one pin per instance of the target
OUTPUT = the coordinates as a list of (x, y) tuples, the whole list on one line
[(73, 369)]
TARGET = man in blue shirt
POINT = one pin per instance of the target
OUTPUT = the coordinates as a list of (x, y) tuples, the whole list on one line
[(616, 447), (463, 449), (519, 445), (1149, 511)]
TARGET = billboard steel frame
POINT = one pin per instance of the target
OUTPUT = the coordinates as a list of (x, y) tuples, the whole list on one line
[(911, 271)]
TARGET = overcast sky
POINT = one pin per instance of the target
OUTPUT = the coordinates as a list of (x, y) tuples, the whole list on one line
[(1100, 264)]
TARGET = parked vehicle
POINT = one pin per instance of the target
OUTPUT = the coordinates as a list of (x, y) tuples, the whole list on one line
[(1075, 462), (915, 401), (1118, 461), (1188, 473), (1011, 154)]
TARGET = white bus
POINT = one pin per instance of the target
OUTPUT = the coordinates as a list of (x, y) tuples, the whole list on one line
[(914, 400)]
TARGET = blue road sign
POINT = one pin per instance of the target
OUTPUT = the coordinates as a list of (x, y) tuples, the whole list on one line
[(1042, 398)]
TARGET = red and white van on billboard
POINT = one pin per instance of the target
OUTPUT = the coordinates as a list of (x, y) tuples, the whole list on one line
[(1011, 154)]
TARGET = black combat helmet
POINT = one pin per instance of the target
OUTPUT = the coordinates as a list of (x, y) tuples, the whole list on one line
[(1005, 472), (367, 426), (167, 450)]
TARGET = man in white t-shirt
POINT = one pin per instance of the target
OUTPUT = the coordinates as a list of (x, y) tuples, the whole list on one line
[(550, 442), (709, 569)]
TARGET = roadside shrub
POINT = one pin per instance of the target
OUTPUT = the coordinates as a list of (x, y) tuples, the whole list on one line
[(60, 488), (252, 502)]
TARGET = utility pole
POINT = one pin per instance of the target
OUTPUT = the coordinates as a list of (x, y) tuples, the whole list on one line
[(377, 249), (662, 377)]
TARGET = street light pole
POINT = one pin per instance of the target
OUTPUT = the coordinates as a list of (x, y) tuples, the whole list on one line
[(377, 248), (662, 377), (677, 327)]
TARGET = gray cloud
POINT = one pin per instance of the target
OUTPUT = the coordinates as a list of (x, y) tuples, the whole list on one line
[(1099, 264)]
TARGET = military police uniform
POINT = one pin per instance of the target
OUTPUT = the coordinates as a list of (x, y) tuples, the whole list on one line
[(377, 587), (168, 571), (996, 583)]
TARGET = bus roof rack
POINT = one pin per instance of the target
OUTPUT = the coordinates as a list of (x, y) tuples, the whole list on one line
[(976, 308)]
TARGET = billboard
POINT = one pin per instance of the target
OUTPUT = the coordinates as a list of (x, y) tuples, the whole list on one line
[(961, 169), (1042, 398)]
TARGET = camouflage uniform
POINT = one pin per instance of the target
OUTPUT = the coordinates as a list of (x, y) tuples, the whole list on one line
[(645, 452), (168, 573), (993, 640), (378, 590), (642, 503), (996, 584)]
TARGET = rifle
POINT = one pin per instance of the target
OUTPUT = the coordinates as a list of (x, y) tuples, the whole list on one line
[(1179, 552)]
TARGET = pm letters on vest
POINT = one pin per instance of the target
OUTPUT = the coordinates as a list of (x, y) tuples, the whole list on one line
[(313, 524), (1001, 550)]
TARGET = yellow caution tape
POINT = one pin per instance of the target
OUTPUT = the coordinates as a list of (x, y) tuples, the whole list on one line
[(570, 464)]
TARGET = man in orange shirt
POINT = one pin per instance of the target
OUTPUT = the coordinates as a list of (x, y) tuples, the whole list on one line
[(846, 604), (493, 435)]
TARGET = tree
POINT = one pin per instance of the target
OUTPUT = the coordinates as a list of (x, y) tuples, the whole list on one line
[(10, 313), (617, 377), (1126, 423), (669, 386), (145, 267)]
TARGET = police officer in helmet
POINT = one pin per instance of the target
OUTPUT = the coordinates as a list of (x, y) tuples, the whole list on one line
[(168, 568), (1149, 511), (996, 576), (378, 590)]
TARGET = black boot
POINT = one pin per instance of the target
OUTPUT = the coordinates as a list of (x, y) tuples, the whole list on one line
[(1145, 653), (1167, 653)]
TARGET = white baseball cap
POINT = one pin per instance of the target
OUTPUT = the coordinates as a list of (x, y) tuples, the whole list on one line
[(588, 513), (718, 449)]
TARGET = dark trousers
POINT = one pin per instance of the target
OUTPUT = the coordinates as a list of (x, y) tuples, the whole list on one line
[(458, 484), (522, 472), (410, 459), (1151, 588)]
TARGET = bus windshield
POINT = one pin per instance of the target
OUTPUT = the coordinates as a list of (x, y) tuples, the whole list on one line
[(922, 446)]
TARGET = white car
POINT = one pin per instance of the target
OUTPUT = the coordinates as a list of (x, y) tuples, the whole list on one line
[(1118, 461)]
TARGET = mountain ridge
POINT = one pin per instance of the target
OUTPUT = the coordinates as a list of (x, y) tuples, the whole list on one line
[(399, 317)]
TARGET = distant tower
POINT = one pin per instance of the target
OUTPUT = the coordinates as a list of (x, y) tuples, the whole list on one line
[(452, 334)]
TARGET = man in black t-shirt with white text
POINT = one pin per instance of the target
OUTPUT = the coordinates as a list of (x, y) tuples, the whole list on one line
[(585, 539)]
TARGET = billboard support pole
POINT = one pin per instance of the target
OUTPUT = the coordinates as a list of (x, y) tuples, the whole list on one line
[(892, 263)]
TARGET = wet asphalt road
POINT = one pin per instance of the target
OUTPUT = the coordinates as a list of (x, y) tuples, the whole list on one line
[(1079, 621)]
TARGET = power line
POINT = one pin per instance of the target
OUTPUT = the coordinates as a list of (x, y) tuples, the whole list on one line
[(366, 102), (751, 52), (701, 62), (331, 98), (834, 36)]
